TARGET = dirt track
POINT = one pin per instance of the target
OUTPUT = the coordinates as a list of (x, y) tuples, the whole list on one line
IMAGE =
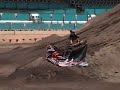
[(26, 67), (81, 85)]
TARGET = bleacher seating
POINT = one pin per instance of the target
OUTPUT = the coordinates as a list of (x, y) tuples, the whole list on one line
[(82, 17), (8, 16), (43, 6), (51, 19), (73, 11), (22, 16), (10, 5), (68, 26), (78, 26), (18, 26), (55, 26), (57, 17), (33, 5), (44, 26), (47, 12), (70, 17), (32, 26), (2, 5), (59, 11), (100, 11), (45, 17), (90, 11), (60, 6), (22, 5), (5, 26)]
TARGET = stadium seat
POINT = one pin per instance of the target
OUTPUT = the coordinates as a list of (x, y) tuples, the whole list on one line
[(43, 26), (59, 11), (33, 5), (82, 17), (47, 12), (43, 6), (5, 26), (18, 26), (68, 26), (90, 11), (100, 11), (8, 16), (73, 11), (78, 26), (56, 6), (32, 26), (55, 26), (23, 16), (22, 5), (2, 4), (11, 5), (70, 17), (45, 17), (57, 17)]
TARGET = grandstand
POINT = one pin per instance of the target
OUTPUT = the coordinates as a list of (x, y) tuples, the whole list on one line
[(50, 14)]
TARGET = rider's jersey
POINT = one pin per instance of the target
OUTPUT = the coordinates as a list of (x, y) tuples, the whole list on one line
[(56, 56)]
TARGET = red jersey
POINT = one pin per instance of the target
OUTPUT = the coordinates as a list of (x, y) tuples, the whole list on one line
[(56, 56)]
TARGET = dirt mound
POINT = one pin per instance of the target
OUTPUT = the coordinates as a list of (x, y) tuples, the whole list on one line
[(51, 39), (103, 36), (40, 70)]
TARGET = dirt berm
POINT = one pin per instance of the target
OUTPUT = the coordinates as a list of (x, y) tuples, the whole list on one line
[(103, 36)]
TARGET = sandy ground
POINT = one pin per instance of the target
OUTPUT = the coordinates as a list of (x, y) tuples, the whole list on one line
[(65, 86), (26, 67), (19, 81)]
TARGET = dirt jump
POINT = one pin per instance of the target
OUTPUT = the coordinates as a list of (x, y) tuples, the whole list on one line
[(26, 67)]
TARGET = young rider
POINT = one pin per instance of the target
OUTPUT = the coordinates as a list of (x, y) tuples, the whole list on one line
[(73, 37), (50, 49)]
